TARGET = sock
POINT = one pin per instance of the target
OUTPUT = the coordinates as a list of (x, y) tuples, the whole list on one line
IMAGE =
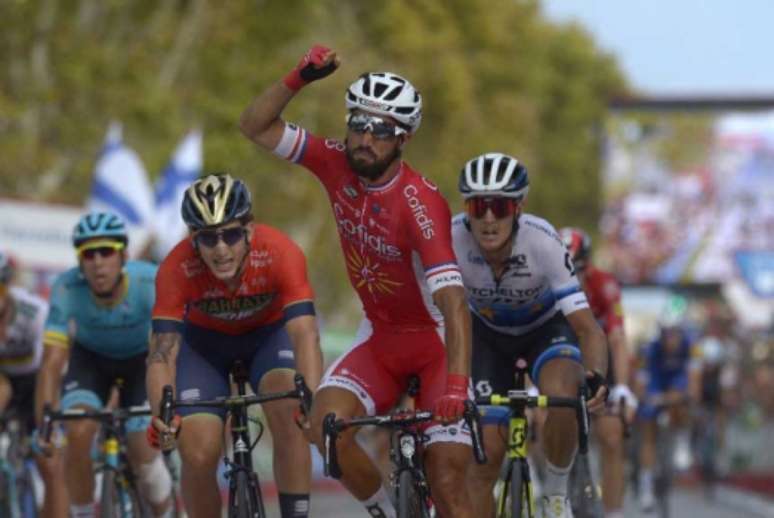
[(379, 505), (614, 514), (555, 482), (82, 511), (646, 481), (294, 505)]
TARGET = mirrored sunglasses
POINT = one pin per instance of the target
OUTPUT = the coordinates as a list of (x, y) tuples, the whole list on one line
[(230, 236), (379, 128), (103, 251), (500, 207)]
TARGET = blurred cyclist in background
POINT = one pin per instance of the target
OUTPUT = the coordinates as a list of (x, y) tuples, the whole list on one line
[(604, 294), (22, 316), (671, 381), (525, 303), (98, 327)]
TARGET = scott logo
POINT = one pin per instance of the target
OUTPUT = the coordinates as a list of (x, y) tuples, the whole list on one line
[(420, 211)]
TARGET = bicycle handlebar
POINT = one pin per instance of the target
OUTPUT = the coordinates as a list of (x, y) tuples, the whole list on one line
[(517, 398), (332, 427), (106, 414)]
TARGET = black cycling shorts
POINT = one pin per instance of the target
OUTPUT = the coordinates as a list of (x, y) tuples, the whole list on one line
[(90, 376), (23, 398), (495, 353)]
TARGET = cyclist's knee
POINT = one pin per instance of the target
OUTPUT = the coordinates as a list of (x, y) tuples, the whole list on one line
[(80, 435), (155, 480), (561, 377), (610, 435), (447, 465)]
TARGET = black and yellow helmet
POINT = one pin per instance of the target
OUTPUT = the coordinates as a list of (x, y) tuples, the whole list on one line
[(214, 200)]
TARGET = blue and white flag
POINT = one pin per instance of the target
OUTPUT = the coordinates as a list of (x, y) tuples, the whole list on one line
[(121, 185), (184, 169)]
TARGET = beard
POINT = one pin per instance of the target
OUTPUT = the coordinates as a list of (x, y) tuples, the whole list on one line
[(370, 170)]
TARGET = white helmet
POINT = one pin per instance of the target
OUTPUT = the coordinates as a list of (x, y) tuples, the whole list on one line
[(494, 174), (387, 94)]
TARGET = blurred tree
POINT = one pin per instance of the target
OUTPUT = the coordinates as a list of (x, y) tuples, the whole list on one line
[(495, 75)]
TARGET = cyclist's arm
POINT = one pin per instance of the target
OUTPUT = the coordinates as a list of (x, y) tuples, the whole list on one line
[(48, 382), (621, 356), (591, 339), (306, 346), (261, 122), (450, 300), (161, 362)]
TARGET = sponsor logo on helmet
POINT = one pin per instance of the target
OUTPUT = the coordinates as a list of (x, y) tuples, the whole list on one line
[(373, 104), (419, 211), (360, 233)]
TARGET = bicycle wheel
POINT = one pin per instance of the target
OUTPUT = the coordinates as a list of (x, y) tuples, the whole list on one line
[(26, 494), (411, 503), (245, 501), (6, 497), (118, 499), (583, 494)]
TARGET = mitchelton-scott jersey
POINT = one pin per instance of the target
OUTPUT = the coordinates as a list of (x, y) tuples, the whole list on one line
[(22, 348), (538, 282), (395, 237)]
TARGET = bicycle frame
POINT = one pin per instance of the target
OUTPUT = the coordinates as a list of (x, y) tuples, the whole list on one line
[(236, 406)]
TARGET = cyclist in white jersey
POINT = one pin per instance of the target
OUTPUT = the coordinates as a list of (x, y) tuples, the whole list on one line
[(22, 315), (526, 303)]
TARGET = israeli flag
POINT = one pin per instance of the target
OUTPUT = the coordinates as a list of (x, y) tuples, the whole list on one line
[(184, 169), (121, 185)]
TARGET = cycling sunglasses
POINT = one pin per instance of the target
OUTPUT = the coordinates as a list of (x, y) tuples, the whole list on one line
[(210, 238), (500, 207), (103, 250), (379, 128)]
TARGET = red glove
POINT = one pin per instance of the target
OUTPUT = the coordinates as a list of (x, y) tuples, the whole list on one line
[(156, 428), (310, 68), (450, 407)]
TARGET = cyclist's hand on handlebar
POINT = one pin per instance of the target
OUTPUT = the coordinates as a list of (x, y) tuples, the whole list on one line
[(317, 63), (40, 445), (161, 436), (622, 393), (598, 392), (450, 407)]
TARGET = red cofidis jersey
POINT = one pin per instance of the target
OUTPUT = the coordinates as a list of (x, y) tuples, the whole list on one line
[(604, 294), (273, 285), (396, 237)]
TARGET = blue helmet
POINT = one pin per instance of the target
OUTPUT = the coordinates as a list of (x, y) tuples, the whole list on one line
[(99, 224)]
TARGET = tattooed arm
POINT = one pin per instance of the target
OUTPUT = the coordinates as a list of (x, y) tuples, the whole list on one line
[(161, 363)]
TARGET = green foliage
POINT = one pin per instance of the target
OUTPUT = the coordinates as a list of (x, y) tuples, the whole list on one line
[(495, 75)]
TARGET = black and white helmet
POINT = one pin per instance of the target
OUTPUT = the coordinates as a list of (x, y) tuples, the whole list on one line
[(387, 94), (494, 174)]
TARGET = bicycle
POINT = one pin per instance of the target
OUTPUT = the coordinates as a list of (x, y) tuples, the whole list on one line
[(17, 492), (413, 498), (119, 495), (244, 491), (516, 497)]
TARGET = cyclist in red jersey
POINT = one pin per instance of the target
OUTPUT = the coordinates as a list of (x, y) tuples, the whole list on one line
[(604, 296), (235, 290), (394, 228)]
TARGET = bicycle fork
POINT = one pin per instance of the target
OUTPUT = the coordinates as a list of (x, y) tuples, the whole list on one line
[(517, 453), (112, 450)]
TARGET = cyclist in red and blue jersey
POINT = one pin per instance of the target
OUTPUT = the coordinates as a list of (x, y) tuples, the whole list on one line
[(233, 291), (394, 228)]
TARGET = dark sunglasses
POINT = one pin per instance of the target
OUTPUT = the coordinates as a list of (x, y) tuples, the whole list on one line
[(379, 128), (500, 207), (103, 251), (230, 236)]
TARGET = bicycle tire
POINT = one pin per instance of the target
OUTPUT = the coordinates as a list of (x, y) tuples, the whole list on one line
[(6, 502), (246, 501), (26, 494), (520, 491), (583, 494), (409, 502), (111, 503)]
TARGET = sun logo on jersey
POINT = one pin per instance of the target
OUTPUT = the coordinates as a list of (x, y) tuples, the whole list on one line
[(367, 273)]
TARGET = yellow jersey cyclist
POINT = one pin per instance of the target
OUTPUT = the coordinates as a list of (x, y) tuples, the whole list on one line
[(525, 302), (99, 322), (233, 290)]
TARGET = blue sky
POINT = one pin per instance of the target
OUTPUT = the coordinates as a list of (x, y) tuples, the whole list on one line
[(682, 46)]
